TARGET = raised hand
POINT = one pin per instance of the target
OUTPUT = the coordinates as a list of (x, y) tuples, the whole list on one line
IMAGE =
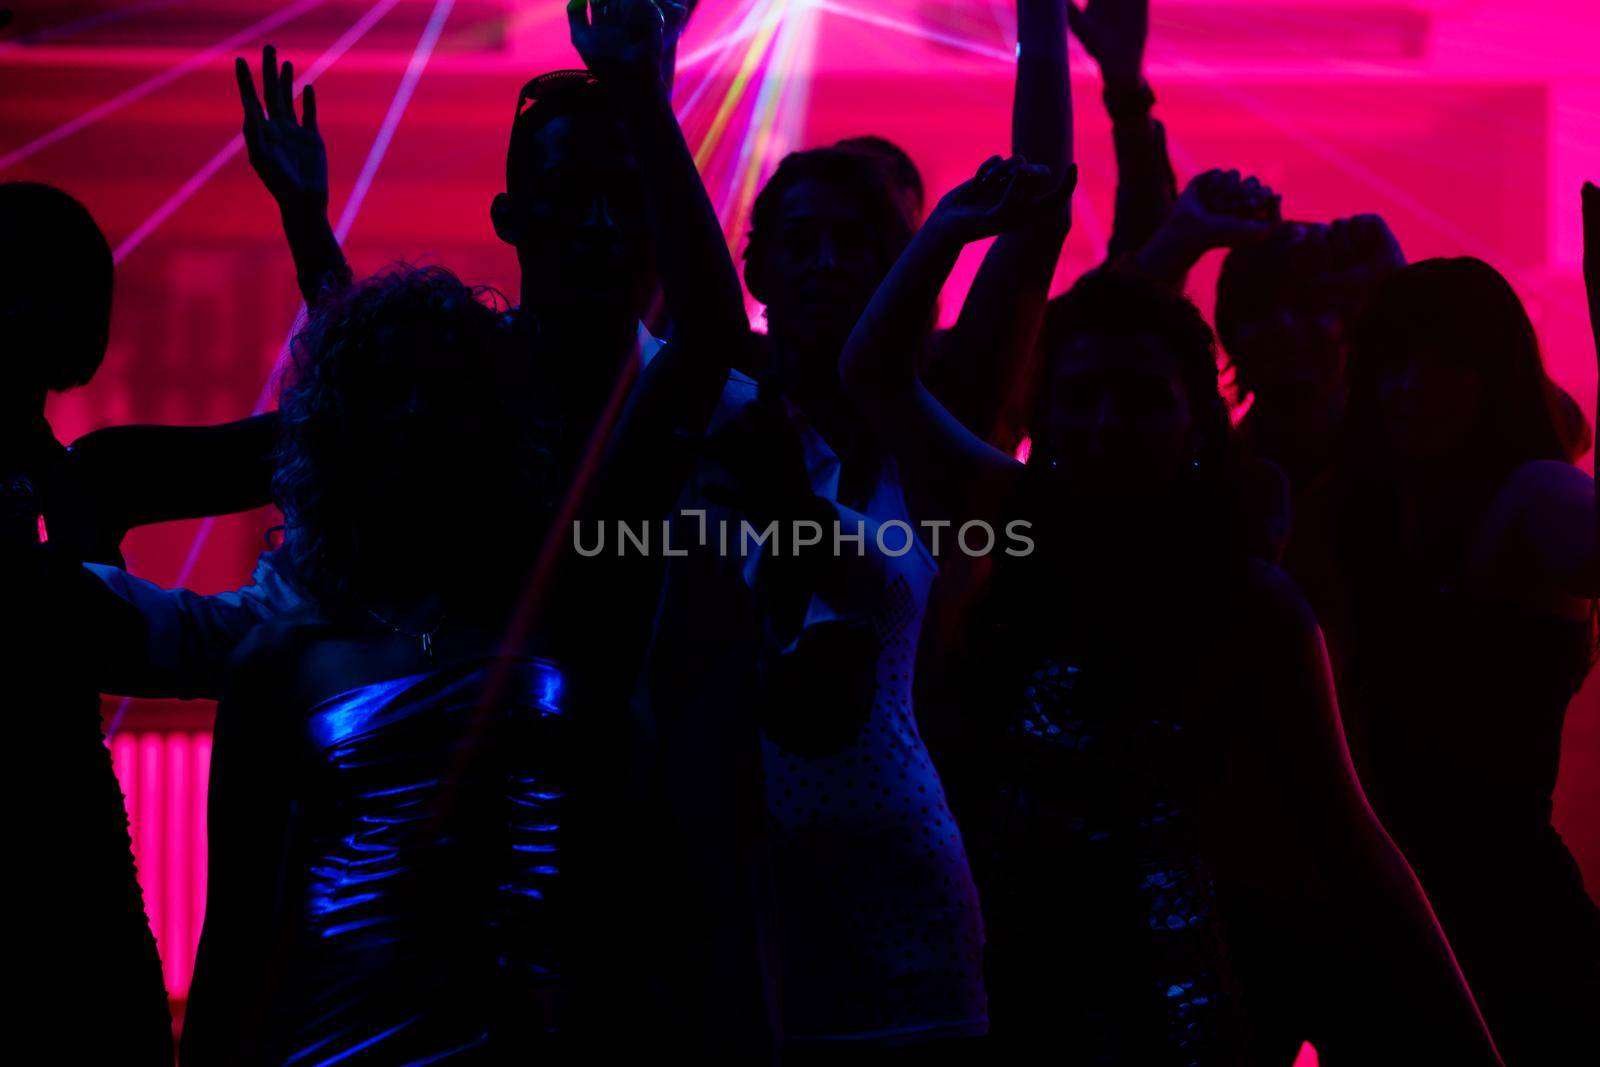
[(1003, 196), (1222, 209), (621, 41), (1113, 32), (287, 152), (1364, 243), (1362, 253)]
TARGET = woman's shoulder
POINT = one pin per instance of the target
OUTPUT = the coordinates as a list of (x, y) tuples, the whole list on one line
[(1538, 538), (1267, 603)]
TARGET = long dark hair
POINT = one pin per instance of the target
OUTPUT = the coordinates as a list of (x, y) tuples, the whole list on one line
[(1465, 311), (1119, 306), (1207, 532), (403, 386)]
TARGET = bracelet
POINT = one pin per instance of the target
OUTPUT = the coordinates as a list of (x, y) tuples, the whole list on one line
[(1132, 103)]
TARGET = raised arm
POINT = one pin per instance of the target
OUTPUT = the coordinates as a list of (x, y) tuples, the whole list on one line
[(292, 162), (979, 365), (944, 462), (148, 474), (1114, 33), (622, 43)]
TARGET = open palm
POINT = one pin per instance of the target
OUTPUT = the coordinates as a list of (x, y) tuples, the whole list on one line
[(286, 151)]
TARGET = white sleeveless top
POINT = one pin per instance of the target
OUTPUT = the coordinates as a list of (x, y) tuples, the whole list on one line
[(882, 937)]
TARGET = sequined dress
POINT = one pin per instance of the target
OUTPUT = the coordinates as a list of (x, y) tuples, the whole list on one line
[(1104, 936)]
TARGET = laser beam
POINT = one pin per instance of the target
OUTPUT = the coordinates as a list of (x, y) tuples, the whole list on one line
[(138, 92), (199, 178)]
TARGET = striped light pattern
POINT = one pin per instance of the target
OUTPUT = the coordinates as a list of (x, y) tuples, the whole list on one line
[(163, 777)]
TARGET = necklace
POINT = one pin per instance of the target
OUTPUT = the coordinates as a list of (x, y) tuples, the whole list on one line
[(424, 637)]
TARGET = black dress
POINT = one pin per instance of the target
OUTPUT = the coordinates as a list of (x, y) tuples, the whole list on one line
[(82, 944), (1454, 703)]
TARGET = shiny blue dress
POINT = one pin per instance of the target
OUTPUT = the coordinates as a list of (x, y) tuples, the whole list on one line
[(423, 890)]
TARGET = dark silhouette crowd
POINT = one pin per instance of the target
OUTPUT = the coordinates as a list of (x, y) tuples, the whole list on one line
[(1186, 739)]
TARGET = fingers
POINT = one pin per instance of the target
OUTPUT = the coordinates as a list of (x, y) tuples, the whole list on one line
[(253, 116), (286, 88), (309, 99), (269, 82)]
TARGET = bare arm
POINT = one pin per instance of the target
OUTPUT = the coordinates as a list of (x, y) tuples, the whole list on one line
[(980, 364), (291, 160), (148, 474), (1376, 980), (943, 461), (1114, 33), (678, 392)]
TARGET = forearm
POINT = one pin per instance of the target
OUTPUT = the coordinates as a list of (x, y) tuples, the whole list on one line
[(982, 360), (1170, 255), (698, 279), (1147, 188), (653, 447), (879, 361), (319, 263), (1041, 103), (149, 474)]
